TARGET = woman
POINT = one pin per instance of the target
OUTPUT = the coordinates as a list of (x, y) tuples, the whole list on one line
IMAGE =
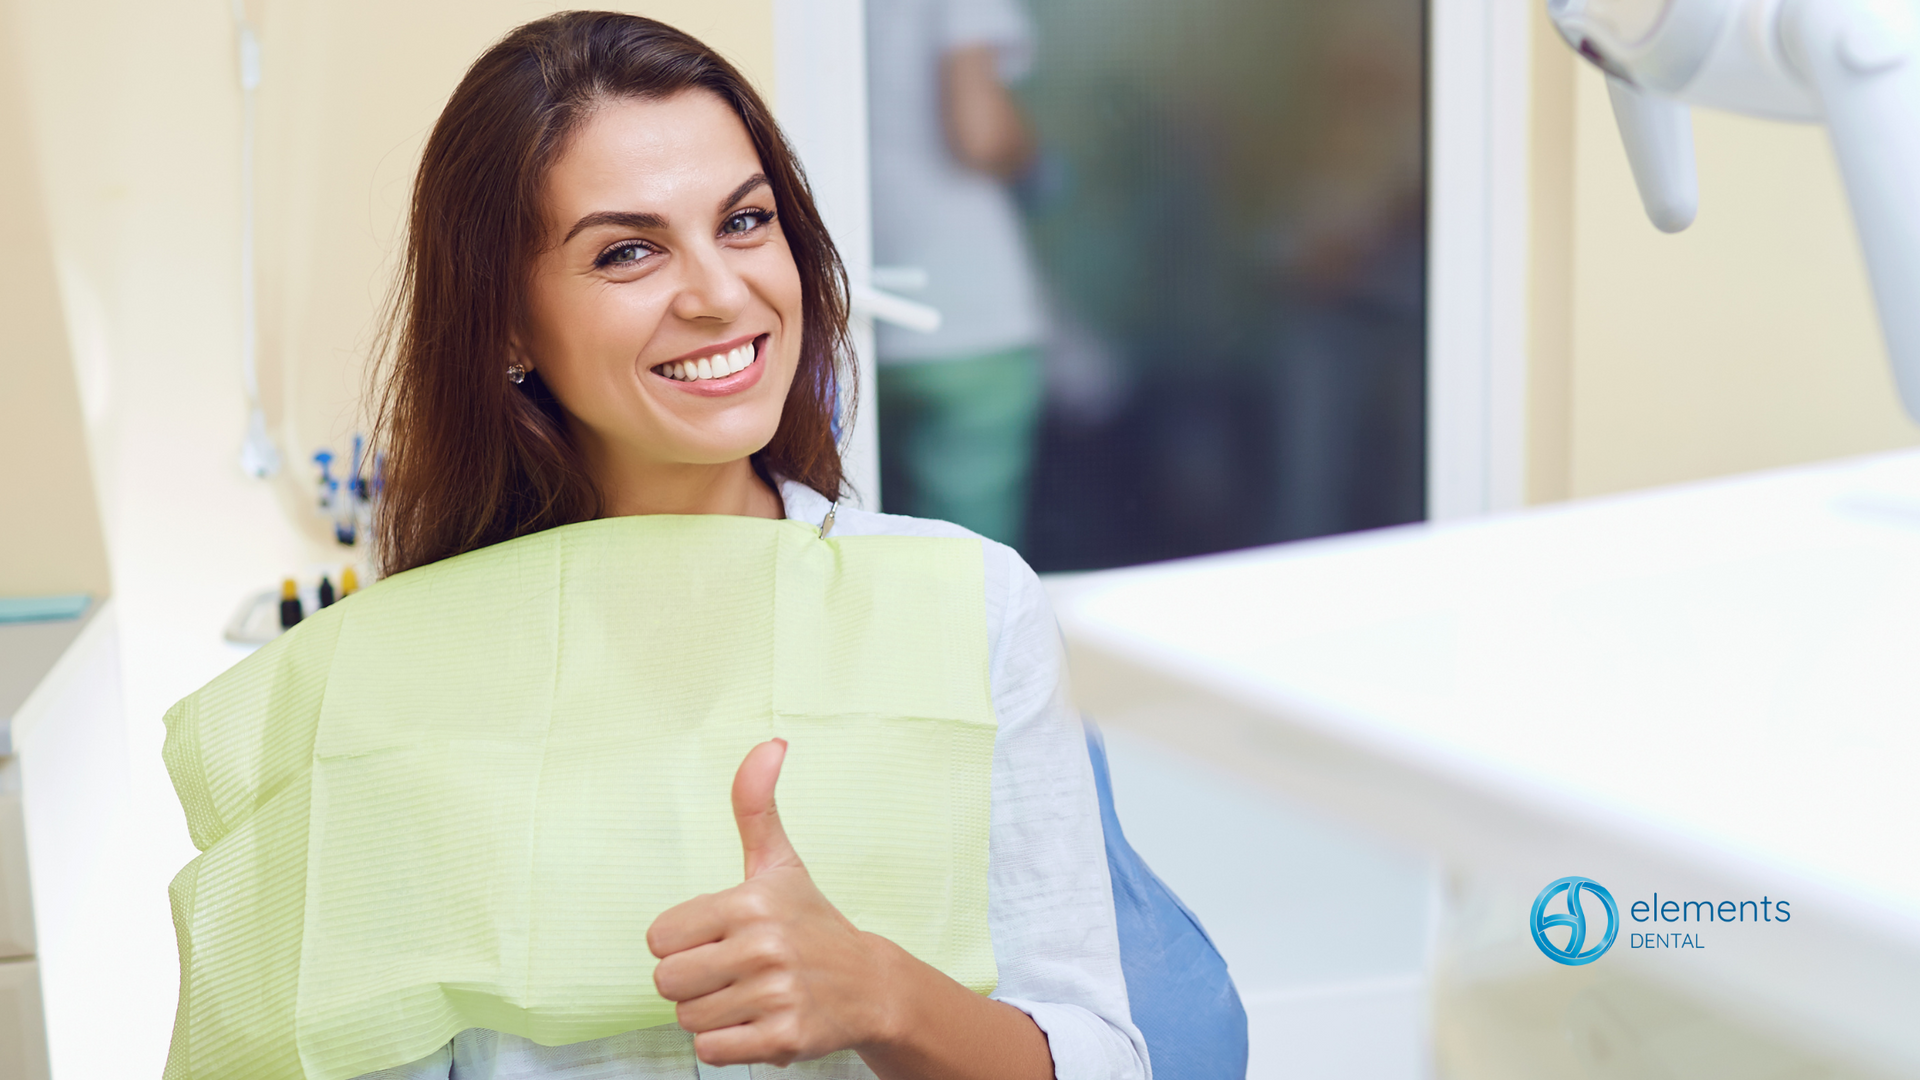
[(619, 300)]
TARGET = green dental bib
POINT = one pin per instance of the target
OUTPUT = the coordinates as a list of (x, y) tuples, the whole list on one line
[(459, 798)]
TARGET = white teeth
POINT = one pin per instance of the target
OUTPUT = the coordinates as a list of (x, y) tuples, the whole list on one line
[(717, 366)]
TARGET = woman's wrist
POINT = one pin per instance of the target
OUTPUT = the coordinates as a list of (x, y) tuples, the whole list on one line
[(926, 1026), (895, 985)]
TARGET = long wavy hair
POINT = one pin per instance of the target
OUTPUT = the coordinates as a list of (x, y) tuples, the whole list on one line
[(472, 459)]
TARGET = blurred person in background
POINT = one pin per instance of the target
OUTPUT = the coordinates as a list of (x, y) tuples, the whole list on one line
[(958, 406)]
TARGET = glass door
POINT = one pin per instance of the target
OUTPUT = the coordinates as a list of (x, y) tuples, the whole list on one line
[(1181, 264)]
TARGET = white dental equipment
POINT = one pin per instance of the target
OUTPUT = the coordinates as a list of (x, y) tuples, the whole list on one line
[(1852, 64)]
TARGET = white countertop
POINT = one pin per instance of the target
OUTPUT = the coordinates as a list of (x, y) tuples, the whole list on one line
[(1717, 684)]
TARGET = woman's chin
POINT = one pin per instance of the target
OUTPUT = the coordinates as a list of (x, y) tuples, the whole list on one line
[(720, 451), (715, 436)]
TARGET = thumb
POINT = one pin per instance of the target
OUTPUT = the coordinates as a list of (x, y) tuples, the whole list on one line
[(761, 835)]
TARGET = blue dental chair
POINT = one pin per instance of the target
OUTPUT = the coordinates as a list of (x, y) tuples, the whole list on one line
[(1181, 996)]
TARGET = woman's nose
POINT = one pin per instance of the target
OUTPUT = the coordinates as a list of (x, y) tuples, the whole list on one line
[(710, 288)]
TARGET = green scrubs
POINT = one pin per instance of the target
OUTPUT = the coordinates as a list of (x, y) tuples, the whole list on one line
[(957, 439)]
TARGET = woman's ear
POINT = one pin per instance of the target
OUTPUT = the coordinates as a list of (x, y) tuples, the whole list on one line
[(519, 360), (517, 353)]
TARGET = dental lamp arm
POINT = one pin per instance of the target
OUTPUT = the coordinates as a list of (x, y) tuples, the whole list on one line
[(1658, 133), (1862, 58)]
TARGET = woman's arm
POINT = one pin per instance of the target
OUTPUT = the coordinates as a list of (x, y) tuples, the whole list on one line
[(770, 971), (943, 1031), (1055, 931)]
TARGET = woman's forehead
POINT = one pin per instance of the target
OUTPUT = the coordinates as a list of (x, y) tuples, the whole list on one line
[(666, 156)]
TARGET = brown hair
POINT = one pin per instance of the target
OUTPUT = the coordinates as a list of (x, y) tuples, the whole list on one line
[(472, 459)]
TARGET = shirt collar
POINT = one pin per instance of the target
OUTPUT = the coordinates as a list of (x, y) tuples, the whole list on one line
[(803, 503)]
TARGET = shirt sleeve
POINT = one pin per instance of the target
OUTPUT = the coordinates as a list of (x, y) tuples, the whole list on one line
[(1002, 24), (1050, 900)]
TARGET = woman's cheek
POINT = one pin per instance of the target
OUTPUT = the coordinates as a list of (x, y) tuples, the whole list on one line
[(784, 285)]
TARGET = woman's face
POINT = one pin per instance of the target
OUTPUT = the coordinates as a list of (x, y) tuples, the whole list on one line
[(664, 312)]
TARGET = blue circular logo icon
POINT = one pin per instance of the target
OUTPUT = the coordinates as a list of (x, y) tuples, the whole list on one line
[(1574, 950)]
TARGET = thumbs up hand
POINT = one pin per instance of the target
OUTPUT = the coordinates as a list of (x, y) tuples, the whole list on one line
[(762, 837), (769, 970)]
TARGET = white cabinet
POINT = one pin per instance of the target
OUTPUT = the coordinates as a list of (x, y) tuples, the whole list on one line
[(1691, 695), (23, 1039), (16, 900), (29, 655)]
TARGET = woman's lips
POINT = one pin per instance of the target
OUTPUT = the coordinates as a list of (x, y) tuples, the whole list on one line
[(743, 365)]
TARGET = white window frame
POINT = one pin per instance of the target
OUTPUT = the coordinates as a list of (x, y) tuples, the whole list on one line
[(1480, 86), (820, 96)]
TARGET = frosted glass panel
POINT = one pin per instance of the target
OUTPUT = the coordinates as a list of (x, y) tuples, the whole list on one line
[(1220, 269)]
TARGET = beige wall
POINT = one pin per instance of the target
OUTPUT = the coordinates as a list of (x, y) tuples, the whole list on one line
[(50, 538), (1746, 342)]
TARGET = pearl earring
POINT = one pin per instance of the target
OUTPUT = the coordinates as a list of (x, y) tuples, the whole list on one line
[(516, 374)]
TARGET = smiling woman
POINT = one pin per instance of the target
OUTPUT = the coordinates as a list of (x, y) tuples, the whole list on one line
[(503, 837), (604, 204), (670, 335)]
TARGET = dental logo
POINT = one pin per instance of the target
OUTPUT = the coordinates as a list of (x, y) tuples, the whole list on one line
[(1566, 894)]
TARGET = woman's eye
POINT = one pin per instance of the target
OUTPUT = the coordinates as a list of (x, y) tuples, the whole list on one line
[(621, 255), (746, 221)]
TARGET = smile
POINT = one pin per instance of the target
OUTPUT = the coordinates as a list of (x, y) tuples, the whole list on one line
[(714, 367)]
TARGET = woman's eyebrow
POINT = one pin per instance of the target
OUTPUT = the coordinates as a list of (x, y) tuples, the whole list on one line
[(623, 218), (740, 192), (631, 220)]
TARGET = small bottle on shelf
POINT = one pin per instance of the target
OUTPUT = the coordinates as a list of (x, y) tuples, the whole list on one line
[(290, 612)]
